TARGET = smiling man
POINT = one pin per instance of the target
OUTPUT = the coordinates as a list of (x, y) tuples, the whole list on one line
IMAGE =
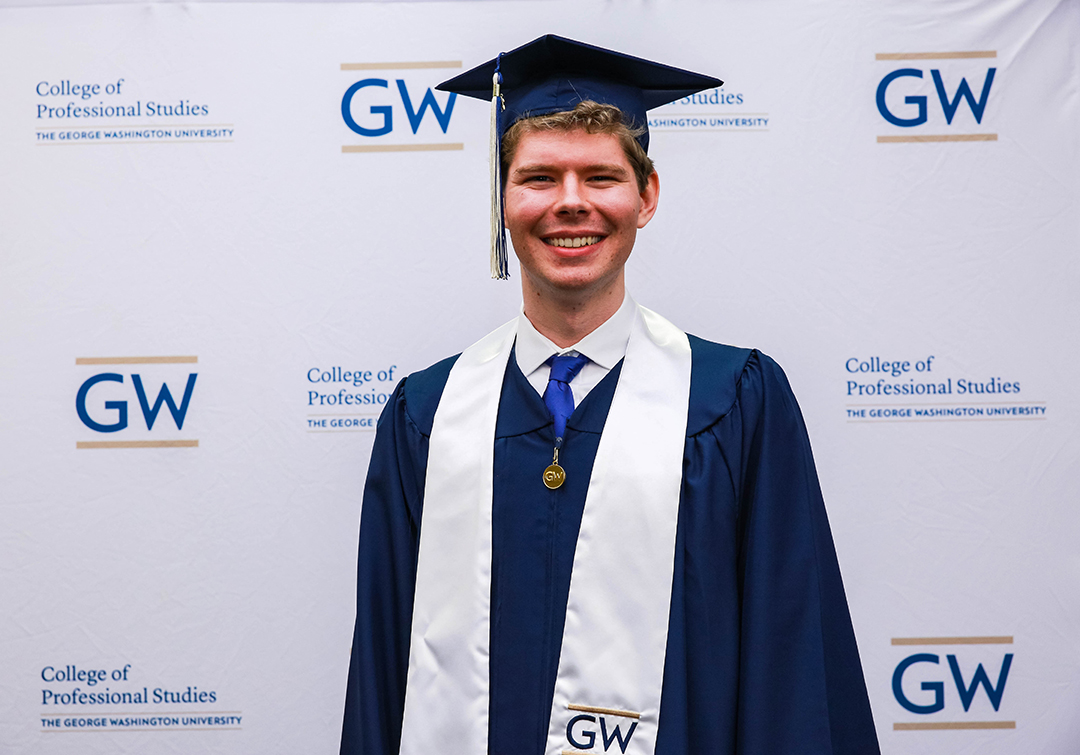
[(574, 204), (590, 532)]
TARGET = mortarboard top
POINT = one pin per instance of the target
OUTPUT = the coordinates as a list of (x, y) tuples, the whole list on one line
[(553, 74)]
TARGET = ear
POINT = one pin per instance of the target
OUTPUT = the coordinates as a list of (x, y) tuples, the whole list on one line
[(650, 196)]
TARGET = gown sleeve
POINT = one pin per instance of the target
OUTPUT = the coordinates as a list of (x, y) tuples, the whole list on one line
[(386, 575), (801, 687)]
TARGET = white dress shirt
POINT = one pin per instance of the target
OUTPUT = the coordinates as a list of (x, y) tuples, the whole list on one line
[(604, 347)]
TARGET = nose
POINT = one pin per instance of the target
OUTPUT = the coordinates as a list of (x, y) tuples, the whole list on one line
[(571, 200)]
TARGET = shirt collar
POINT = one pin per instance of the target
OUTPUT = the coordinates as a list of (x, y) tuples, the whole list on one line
[(605, 346)]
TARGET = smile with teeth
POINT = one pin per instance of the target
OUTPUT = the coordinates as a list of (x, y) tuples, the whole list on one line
[(573, 243)]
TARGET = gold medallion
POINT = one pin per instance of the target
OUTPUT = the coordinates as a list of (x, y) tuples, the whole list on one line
[(554, 476)]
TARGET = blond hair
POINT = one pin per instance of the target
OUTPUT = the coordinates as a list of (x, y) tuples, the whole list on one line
[(592, 118)]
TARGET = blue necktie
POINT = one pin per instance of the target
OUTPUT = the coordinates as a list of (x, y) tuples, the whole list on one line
[(558, 397)]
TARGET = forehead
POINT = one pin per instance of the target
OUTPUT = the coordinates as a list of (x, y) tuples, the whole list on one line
[(575, 146)]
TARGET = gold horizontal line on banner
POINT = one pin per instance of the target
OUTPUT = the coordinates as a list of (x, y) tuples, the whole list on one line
[(953, 725), (137, 444), (604, 711), (136, 360), (936, 55), (412, 64), (953, 403), (99, 729), (402, 147), (920, 138), (992, 640)]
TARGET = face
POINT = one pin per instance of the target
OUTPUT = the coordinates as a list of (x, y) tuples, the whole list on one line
[(573, 208)]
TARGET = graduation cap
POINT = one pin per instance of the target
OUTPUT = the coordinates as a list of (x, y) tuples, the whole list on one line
[(553, 74)]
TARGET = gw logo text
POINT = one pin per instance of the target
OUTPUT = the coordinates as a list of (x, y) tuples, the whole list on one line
[(965, 690), (383, 123), (949, 103), (581, 733), (149, 412)]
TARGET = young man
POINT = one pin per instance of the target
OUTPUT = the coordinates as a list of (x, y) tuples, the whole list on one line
[(590, 532)]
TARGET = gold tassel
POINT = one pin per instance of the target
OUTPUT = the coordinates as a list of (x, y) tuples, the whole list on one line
[(499, 263)]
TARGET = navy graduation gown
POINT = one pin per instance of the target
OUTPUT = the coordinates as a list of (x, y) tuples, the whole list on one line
[(761, 657)]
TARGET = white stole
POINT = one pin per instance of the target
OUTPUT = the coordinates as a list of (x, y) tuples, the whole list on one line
[(607, 692)]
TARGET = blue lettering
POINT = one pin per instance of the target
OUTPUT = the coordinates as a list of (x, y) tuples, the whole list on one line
[(920, 101), (164, 396), (963, 92), (616, 735), (120, 406), (938, 688), (586, 732), (967, 694), (385, 110), (442, 116)]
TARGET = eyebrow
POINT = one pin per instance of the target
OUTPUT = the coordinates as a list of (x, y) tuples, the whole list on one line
[(605, 168)]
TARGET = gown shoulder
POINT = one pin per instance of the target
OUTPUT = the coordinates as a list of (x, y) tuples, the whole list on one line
[(418, 394), (724, 377)]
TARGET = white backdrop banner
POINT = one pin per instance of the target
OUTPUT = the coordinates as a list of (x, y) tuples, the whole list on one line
[(228, 230)]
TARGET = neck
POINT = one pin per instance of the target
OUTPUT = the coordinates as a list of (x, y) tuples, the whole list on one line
[(567, 318)]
